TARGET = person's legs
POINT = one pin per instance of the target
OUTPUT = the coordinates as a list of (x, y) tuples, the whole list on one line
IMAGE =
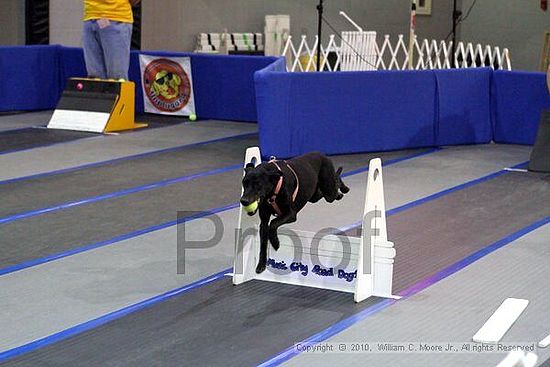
[(116, 39), (93, 52)]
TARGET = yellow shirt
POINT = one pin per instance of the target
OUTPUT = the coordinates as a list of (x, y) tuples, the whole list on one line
[(116, 10)]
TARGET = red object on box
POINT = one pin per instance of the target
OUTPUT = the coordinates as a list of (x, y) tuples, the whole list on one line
[(544, 4)]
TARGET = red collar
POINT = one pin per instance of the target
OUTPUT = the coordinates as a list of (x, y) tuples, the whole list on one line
[(273, 198)]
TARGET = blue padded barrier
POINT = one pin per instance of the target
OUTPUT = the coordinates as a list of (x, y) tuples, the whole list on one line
[(332, 112), (464, 106), (223, 85), (72, 64), (344, 112), (33, 78), (29, 77), (518, 99), (278, 65)]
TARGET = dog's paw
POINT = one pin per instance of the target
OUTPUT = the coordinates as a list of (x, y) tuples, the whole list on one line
[(260, 268), (339, 196)]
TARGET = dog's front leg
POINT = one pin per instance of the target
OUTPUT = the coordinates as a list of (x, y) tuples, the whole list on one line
[(264, 233), (290, 217)]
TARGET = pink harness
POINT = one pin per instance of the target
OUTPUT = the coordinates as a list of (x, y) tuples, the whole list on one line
[(280, 185)]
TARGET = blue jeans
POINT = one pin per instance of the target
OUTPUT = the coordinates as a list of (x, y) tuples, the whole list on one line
[(107, 50)]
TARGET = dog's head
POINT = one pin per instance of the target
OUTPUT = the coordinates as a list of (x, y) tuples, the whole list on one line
[(259, 183)]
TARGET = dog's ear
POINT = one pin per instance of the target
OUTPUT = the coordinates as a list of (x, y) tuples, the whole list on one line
[(249, 166), (339, 171)]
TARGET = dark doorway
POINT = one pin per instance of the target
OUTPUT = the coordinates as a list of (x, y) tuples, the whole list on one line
[(37, 22), (136, 34)]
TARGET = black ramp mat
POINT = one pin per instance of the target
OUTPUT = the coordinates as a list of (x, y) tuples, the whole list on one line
[(41, 192), (223, 325), (540, 156), (437, 234), (37, 137), (219, 325), (67, 229)]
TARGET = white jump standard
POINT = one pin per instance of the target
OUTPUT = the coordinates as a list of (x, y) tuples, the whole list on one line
[(362, 266)]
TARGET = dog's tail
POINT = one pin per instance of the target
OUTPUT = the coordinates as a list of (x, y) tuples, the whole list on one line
[(343, 188)]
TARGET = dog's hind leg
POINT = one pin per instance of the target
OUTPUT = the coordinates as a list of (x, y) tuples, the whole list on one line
[(343, 188), (317, 196), (276, 223), (329, 182)]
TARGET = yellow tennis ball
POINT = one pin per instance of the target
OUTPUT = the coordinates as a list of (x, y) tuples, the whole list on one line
[(252, 207), (192, 117)]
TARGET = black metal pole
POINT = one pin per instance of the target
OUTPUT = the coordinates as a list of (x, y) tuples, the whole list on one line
[(456, 16), (320, 33)]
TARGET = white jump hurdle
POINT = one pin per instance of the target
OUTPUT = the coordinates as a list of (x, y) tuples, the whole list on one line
[(362, 266)]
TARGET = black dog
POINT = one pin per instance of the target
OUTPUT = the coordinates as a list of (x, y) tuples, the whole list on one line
[(283, 188)]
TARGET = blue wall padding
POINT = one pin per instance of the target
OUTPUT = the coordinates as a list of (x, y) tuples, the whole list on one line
[(464, 106), (278, 65), (71, 65), (223, 85), (33, 78), (345, 112), (518, 100), (29, 77), (331, 112), (72, 62)]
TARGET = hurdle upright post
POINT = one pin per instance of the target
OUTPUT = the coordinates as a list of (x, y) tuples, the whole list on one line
[(320, 9), (412, 35), (375, 262)]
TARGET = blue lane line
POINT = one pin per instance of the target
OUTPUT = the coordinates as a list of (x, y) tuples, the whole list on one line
[(46, 259), (414, 289), (107, 318), (111, 241), (110, 161), (119, 193), (438, 195), (159, 184), (393, 161), (112, 316)]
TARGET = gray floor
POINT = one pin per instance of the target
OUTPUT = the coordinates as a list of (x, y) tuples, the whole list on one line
[(55, 232), (452, 311), (266, 318), (91, 284), (64, 156), (75, 185)]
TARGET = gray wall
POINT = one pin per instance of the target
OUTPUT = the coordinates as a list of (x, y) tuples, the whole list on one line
[(176, 29), (515, 24), (66, 22), (12, 21), (173, 24)]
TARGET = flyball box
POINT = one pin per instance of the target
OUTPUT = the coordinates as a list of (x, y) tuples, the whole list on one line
[(96, 105)]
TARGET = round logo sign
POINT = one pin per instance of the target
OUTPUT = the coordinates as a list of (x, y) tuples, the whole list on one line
[(167, 85)]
